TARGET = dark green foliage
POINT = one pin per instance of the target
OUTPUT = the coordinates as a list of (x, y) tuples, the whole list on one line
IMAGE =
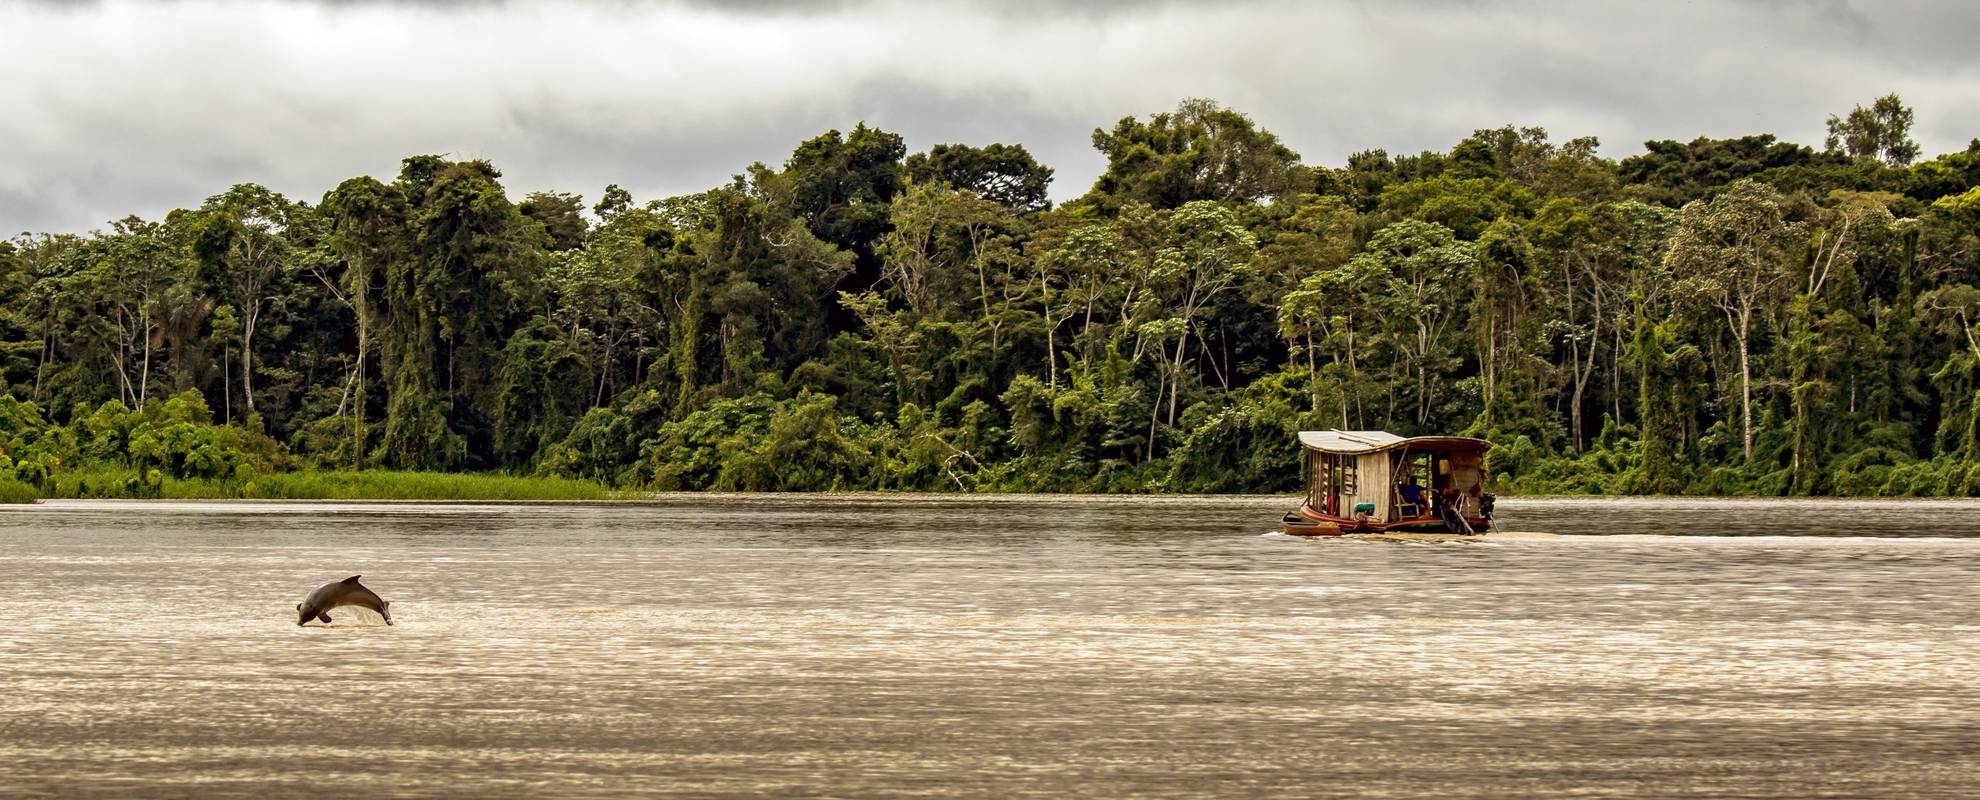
[(1674, 174), (1949, 174), (562, 216), (1200, 151), (1230, 448), (1001, 173), (1728, 315), (840, 186)]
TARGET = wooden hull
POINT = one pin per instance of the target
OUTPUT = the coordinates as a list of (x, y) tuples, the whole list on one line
[(1309, 522), (1297, 525)]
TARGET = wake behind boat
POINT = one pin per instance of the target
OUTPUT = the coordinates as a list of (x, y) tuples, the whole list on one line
[(1375, 482)]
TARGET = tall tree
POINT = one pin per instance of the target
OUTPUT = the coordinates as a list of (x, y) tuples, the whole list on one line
[(1731, 253), (1882, 131), (132, 273), (1081, 272), (243, 251), (1429, 271), (1315, 241), (472, 263), (841, 185), (1200, 151), (1207, 253), (366, 220), (1001, 173)]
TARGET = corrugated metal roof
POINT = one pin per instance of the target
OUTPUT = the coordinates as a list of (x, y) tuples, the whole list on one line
[(1349, 441), (1352, 442)]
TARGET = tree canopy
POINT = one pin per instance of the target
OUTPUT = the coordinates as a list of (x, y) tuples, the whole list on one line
[(1741, 315)]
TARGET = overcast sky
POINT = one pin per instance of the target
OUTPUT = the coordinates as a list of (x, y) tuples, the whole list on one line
[(111, 108)]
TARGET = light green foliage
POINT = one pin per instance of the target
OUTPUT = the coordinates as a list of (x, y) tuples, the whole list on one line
[(1464, 205), (391, 485), (177, 437), (13, 491), (1231, 447), (803, 448)]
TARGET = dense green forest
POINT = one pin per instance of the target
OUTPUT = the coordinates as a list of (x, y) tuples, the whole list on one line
[(1739, 315)]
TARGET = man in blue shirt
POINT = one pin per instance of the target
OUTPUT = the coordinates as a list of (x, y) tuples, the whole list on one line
[(1411, 493)]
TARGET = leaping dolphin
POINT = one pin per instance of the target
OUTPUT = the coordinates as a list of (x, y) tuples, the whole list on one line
[(347, 592)]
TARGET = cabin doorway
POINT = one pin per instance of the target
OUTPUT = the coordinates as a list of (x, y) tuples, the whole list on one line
[(1420, 476)]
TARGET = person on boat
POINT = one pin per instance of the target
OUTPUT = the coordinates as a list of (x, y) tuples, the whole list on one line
[(1411, 492)]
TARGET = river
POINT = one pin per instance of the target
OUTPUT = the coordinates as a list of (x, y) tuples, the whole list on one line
[(917, 646)]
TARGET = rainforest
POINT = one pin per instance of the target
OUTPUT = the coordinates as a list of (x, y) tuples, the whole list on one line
[(1718, 316)]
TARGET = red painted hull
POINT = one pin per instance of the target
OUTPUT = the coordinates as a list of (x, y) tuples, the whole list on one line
[(1309, 522)]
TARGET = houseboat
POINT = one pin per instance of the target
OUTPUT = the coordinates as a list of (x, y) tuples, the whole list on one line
[(1362, 482)]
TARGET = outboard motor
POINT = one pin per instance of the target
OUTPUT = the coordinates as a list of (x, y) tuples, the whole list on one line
[(1450, 509), (1485, 505)]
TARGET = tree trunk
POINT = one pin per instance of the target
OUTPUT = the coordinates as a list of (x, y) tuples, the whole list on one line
[(1175, 379), (1745, 385), (1051, 335), (1354, 377), (604, 376), (1224, 344), (357, 428), (144, 371), (1615, 373), (1210, 357), (247, 361), (983, 296), (120, 357), (1491, 364), (1313, 379), (1423, 390), (41, 367)]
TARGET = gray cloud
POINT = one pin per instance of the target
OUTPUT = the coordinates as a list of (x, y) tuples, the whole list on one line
[(118, 107)]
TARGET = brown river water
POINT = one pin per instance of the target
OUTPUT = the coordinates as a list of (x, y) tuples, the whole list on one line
[(914, 646)]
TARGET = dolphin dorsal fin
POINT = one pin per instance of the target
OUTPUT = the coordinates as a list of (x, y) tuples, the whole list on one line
[(351, 579)]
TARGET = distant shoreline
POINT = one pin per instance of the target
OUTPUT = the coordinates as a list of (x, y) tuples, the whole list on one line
[(408, 486)]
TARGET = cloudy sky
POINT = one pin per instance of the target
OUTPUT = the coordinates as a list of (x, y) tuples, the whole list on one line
[(114, 107)]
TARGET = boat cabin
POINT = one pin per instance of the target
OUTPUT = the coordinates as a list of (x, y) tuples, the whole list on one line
[(1376, 480)]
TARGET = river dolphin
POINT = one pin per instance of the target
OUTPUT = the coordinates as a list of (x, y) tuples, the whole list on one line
[(347, 592)]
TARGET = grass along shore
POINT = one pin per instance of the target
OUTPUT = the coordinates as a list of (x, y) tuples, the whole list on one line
[(126, 484)]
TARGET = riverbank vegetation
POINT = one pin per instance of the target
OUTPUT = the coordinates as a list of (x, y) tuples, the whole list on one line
[(1725, 316)]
